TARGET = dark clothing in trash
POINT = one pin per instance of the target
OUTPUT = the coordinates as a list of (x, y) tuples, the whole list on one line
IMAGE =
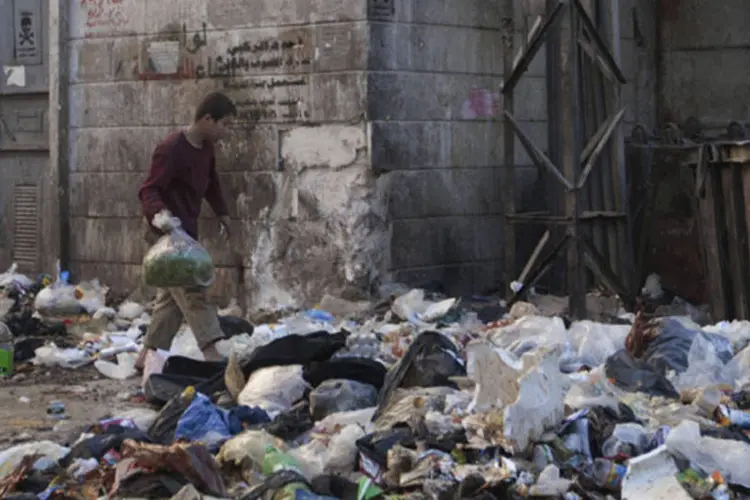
[(190, 460), (24, 324), (430, 361), (233, 326), (602, 423), (667, 351), (635, 375), (366, 371), (292, 423), (295, 350), (286, 351), (375, 446), (162, 387), (97, 446), (188, 367)]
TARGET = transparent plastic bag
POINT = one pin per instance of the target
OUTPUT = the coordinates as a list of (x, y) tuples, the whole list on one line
[(705, 367), (274, 389), (595, 342), (176, 260), (707, 454), (11, 277)]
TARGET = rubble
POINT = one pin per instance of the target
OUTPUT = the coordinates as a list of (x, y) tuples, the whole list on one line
[(412, 397)]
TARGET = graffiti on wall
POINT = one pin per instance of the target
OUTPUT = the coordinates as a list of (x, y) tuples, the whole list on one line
[(269, 99), (102, 17), (241, 69), (481, 104), (28, 32)]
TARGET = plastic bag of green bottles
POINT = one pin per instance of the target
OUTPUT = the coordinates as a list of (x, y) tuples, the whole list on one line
[(176, 260)]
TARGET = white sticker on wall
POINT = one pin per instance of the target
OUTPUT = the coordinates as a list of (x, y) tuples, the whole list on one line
[(15, 76)]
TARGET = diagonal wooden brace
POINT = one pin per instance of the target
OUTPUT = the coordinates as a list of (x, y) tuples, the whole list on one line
[(602, 136), (539, 158), (536, 41), (599, 44)]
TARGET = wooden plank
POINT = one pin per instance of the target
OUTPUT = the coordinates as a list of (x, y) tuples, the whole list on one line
[(713, 248), (731, 218)]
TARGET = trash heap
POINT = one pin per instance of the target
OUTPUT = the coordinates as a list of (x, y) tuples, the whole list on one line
[(409, 398)]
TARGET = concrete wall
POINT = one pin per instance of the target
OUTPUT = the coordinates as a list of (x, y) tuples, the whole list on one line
[(369, 140), (436, 72), (309, 214), (704, 61)]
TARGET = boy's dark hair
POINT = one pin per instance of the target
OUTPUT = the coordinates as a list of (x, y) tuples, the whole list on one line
[(217, 106)]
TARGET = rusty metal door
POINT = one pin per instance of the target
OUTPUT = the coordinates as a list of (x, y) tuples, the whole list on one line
[(24, 130)]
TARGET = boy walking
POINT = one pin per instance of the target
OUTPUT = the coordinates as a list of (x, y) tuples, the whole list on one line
[(182, 174)]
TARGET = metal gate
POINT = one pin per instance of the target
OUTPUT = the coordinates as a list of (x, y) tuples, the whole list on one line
[(24, 129)]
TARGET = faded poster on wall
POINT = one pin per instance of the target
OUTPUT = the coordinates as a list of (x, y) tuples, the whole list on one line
[(27, 25)]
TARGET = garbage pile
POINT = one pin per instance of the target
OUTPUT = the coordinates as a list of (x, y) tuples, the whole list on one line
[(415, 397)]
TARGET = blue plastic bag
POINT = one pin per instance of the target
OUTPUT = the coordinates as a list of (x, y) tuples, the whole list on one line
[(203, 420)]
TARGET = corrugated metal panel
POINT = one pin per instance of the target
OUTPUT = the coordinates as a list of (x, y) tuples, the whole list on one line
[(26, 225)]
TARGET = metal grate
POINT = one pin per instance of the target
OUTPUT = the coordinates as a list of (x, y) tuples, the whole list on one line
[(26, 227)]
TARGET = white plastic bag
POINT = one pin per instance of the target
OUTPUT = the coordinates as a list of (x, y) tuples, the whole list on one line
[(11, 458), (274, 389), (57, 300), (595, 342), (413, 307), (92, 296), (705, 368), (707, 454), (249, 444), (176, 260), (11, 277), (122, 370), (51, 355), (130, 310), (529, 333), (185, 344)]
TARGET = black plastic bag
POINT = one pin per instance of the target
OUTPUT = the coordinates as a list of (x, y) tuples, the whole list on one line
[(286, 351), (430, 361), (635, 375), (602, 423), (366, 371), (97, 446), (376, 445), (189, 367), (292, 423), (295, 350), (233, 325), (669, 349), (162, 387)]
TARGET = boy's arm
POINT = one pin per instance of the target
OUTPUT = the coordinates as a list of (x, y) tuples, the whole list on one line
[(160, 175)]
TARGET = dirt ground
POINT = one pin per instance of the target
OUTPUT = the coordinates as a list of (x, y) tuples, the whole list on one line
[(87, 395)]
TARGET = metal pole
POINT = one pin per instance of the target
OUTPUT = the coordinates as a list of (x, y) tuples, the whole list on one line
[(509, 173)]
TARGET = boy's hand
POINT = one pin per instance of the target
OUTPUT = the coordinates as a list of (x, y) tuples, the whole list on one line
[(226, 226)]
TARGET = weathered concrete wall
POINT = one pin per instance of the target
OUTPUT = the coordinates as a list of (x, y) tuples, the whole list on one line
[(704, 60), (309, 214), (369, 141), (436, 113)]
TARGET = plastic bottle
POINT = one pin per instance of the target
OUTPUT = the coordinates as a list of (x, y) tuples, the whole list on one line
[(737, 417), (6, 350), (276, 460), (608, 474), (543, 456), (613, 447)]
